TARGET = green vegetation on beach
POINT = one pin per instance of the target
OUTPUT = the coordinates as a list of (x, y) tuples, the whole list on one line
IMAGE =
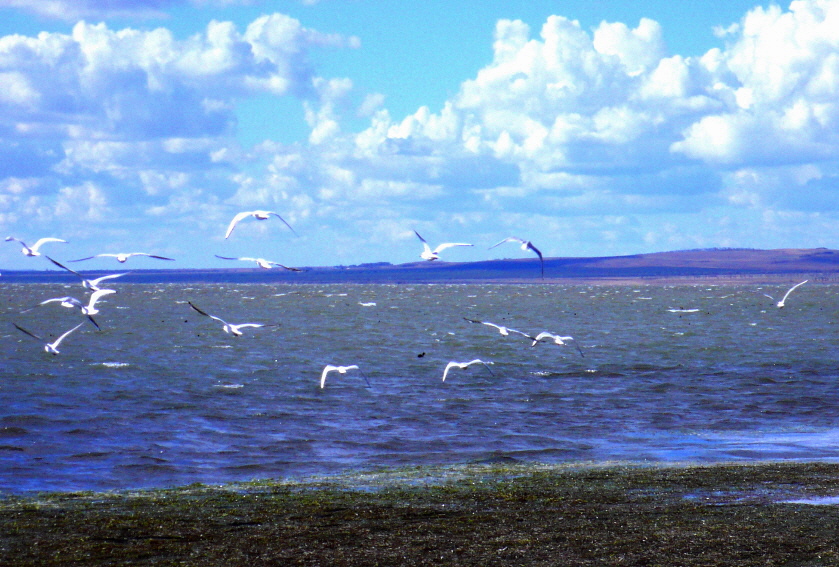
[(478, 515)]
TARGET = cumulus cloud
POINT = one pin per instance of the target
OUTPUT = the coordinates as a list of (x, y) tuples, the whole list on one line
[(600, 137), (611, 113)]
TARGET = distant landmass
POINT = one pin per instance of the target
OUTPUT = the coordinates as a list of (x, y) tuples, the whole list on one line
[(728, 263)]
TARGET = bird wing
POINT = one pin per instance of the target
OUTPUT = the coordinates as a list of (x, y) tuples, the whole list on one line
[(792, 289), (445, 245), (531, 247), (228, 258), (201, 312), (540, 336), (519, 333), (62, 337), (326, 370), (424, 243), (508, 239), (159, 257), (66, 299), (235, 221), (64, 267), (285, 267), (284, 222), (243, 325), (94, 297), (97, 281), (41, 241), (449, 366), (30, 333)]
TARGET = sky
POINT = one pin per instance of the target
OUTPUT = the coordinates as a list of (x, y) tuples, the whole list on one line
[(591, 128)]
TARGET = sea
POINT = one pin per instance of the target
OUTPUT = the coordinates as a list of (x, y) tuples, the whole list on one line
[(162, 396)]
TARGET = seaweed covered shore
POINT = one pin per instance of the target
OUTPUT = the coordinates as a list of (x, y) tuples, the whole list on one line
[(496, 514)]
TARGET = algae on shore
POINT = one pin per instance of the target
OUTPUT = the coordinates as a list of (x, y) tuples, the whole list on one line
[(485, 515)]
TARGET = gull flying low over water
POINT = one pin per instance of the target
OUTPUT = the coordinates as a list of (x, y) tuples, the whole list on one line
[(557, 339), (52, 347), (505, 331), (341, 370), (258, 215), (780, 304), (463, 365), (89, 310), (33, 250), (262, 263), (429, 254), (228, 327), (525, 245), (122, 257), (92, 285)]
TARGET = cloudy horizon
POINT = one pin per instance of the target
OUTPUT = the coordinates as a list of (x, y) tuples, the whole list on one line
[(146, 126)]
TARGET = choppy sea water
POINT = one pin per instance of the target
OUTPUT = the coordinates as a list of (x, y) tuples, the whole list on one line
[(161, 396)]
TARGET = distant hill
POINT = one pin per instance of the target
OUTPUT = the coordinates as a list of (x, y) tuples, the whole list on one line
[(712, 263)]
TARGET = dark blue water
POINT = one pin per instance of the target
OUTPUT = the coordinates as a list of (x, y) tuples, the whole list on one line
[(162, 396)]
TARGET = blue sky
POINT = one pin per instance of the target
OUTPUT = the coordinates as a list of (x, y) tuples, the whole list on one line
[(591, 128)]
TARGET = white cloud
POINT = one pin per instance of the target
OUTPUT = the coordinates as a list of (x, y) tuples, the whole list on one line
[(596, 138)]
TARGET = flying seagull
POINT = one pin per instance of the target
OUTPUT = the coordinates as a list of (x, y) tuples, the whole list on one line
[(258, 215), (525, 245), (33, 250), (228, 327), (122, 257), (92, 285), (341, 370), (780, 304), (559, 340), (262, 263), (463, 365), (52, 347), (505, 331), (429, 254)]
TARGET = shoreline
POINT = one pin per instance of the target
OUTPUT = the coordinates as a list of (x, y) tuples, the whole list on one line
[(484, 514)]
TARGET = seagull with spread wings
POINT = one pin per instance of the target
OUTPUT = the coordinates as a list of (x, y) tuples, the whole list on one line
[(123, 256), (525, 245), (33, 250), (463, 365), (341, 370), (429, 254), (258, 215), (93, 284), (234, 330), (52, 347), (261, 262), (780, 304)]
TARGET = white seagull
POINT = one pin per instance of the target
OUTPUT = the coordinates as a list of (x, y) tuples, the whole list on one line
[(341, 370), (122, 257), (429, 254), (228, 327), (262, 263), (557, 339), (780, 304), (525, 245), (33, 250), (505, 331), (52, 347), (92, 285), (89, 310), (463, 365), (258, 215)]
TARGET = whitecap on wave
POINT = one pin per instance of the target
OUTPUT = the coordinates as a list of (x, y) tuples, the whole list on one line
[(229, 386), (111, 364)]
